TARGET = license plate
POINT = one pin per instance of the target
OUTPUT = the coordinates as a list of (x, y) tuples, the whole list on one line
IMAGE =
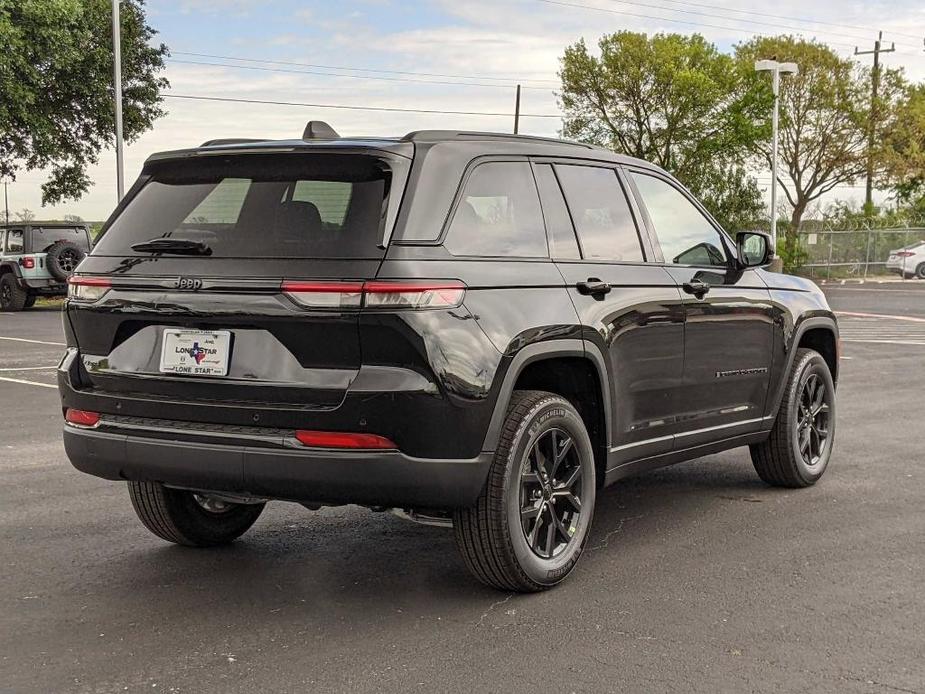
[(196, 352)]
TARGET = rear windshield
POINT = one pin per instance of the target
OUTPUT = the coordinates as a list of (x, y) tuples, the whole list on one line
[(259, 205), (44, 237)]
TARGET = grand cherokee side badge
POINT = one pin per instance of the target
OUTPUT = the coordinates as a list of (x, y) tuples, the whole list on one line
[(741, 372)]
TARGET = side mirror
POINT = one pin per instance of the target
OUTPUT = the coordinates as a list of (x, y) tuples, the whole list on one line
[(754, 248)]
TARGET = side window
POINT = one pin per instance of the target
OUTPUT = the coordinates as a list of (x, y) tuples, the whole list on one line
[(14, 241), (499, 214), (601, 213), (685, 235), (562, 242)]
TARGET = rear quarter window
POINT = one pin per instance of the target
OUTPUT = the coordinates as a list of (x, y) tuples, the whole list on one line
[(498, 214)]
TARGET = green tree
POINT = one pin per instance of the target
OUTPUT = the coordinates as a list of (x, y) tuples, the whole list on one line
[(675, 101), (904, 149), (823, 120), (56, 87)]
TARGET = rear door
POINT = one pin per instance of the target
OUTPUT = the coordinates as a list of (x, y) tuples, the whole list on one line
[(630, 309), (269, 297), (729, 316)]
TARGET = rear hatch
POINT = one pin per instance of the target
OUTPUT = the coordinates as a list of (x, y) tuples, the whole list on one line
[(222, 278)]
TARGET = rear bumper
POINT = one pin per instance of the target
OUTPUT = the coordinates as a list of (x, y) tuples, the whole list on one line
[(44, 286), (375, 478)]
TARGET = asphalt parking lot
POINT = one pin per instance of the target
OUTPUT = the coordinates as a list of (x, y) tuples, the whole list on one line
[(697, 577)]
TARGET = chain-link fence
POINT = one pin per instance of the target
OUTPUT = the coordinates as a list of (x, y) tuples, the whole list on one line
[(853, 250)]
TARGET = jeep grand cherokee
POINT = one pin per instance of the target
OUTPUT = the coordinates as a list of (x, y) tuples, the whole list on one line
[(474, 329)]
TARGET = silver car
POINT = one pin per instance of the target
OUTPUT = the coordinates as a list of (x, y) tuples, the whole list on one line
[(909, 261)]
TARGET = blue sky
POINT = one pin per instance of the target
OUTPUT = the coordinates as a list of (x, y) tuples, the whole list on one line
[(490, 45)]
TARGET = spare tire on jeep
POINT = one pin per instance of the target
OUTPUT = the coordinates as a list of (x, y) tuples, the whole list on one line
[(62, 259)]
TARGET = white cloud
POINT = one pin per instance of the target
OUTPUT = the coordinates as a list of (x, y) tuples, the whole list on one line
[(519, 39)]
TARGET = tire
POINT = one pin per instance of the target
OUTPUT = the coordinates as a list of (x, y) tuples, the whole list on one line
[(62, 259), (920, 271), (12, 296), (176, 516), (797, 454), (492, 538)]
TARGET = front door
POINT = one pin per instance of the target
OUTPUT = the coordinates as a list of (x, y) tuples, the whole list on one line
[(728, 317), (631, 311)]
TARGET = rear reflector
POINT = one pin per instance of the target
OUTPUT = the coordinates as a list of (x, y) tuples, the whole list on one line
[(413, 294), (82, 418), (336, 439), (87, 288)]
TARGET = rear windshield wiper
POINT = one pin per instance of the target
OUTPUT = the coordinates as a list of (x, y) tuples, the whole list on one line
[(177, 246)]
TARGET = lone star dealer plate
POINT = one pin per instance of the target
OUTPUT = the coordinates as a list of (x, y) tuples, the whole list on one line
[(196, 352)]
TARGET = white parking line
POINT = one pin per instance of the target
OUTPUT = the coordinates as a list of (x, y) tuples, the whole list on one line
[(855, 314), (28, 383), (28, 368), (34, 342), (889, 342)]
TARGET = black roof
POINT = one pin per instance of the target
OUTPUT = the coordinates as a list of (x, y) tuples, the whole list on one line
[(500, 143)]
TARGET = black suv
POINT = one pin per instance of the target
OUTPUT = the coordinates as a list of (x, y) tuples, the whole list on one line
[(37, 258), (472, 329)]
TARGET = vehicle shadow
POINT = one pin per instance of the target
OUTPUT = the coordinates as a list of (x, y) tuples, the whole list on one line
[(339, 564)]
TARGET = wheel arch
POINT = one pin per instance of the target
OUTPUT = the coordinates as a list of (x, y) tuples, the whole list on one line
[(819, 333), (10, 267), (571, 368)]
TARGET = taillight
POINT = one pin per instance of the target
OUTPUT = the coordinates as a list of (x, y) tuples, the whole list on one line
[(27, 263), (87, 289), (414, 294), (81, 418), (337, 439), (905, 254), (379, 294), (325, 294)]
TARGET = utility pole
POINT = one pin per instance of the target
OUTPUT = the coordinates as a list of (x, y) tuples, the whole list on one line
[(117, 90), (872, 126), (6, 201), (517, 111)]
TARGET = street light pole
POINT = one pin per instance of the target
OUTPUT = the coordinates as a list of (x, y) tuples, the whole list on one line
[(775, 86), (117, 89), (776, 69)]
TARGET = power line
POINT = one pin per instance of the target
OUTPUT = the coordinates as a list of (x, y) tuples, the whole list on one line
[(739, 30), (357, 77), (388, 109), (743, 20), (484, 78), (784, 17)]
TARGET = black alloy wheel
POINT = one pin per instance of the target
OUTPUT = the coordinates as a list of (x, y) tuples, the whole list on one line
[(68, 260), (550, 493), (812, 422)]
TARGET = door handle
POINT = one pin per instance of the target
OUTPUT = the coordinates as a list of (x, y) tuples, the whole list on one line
[(593, 287), (696, 287)]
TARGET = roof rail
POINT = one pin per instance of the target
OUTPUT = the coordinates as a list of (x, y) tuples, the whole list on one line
[(230, 141), (463, 134)]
